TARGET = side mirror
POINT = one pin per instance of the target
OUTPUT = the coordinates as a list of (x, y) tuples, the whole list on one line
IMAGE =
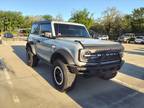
[(46, 34)]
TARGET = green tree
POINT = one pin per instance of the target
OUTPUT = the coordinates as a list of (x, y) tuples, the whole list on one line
[(138, 20), (28, 20), (112, 22), (48, 17), (83, 17), (127, 24), (10, 21), (98, 27)]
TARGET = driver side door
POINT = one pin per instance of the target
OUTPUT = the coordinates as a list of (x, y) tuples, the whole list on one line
[(44, 44)]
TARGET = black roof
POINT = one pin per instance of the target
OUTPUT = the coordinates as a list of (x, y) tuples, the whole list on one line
[(40, 22)]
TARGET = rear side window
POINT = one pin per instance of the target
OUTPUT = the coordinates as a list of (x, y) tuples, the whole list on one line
[(35, 29), (139, 37)]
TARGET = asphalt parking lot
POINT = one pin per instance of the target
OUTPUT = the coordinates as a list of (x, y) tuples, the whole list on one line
[(24, 87)]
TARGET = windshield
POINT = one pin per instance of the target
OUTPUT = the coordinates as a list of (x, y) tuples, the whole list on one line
[(104, 36), (66, 30), (139, 37)]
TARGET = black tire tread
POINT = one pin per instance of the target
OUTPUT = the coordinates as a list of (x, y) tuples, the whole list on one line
[(69, 78), (108, 76), (34, 61)]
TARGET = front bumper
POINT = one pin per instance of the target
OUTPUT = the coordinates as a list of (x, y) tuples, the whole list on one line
[(112, 66)]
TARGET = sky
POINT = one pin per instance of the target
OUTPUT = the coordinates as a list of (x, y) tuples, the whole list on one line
[(66, 7)]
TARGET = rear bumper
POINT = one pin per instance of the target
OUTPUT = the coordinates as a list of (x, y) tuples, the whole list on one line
[(97, 68)]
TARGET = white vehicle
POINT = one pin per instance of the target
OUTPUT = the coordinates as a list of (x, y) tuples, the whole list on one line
[(71, 51), (126, 37), (139, 39), (103, 37)]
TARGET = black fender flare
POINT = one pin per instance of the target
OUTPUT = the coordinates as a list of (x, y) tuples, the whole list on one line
[(65, 54), (31, 45)]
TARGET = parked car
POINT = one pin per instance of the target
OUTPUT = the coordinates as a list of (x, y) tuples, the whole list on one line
[(23, 32), (103, 37), (71, 51), (139, 39), (127, 38), (8, 35), (131, 40)]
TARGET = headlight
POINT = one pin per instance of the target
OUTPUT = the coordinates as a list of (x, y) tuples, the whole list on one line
[(87, 55), (84, 55)]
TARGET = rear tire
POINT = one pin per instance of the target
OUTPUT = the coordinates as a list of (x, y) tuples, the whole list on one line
[(62, 78), (32, 60), (108, 76)]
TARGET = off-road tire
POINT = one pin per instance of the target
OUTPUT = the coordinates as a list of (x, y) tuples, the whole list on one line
[(108, 76), (32, 60), (68, 78)]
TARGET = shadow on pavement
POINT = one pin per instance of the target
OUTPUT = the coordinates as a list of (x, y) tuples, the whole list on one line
[(42, 69), (133, 70), (92, 92)]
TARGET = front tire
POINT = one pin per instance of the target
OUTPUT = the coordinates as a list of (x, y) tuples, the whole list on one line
[(62, 78), (108, 76), (32, 60)]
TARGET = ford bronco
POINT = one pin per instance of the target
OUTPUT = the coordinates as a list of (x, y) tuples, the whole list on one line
[(72, 51)]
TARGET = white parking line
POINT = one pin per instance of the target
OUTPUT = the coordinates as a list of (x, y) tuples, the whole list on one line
[(14, 96), (129, 85)]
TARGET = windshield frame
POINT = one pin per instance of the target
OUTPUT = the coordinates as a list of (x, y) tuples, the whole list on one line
[(73, 24)]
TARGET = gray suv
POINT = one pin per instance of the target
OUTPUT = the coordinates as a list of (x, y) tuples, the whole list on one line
[(71, 51)]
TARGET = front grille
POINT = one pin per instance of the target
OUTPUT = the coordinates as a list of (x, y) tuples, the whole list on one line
[(105, 56)]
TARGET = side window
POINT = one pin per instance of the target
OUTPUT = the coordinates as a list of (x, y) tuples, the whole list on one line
[(45, 29), (35, 29)]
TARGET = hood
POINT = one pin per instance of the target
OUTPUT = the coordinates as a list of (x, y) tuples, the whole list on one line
[(95, 43), (91, 41)]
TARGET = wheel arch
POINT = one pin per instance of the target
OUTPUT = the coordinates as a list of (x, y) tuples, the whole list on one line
[(63, 55), (31, 46)]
